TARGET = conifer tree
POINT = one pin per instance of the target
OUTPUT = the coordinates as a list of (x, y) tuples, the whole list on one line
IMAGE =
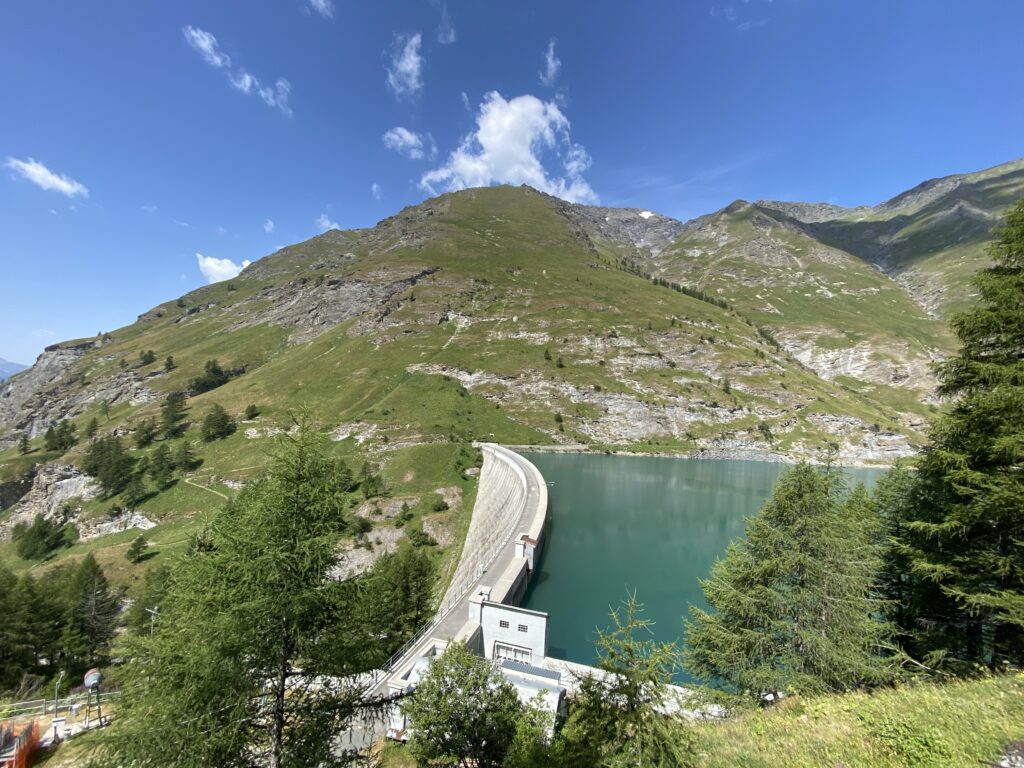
[(145, 433), (137, 549), (217, 424), (23, 446), (161, 467), (618, 718), (91, 428), (109, 462), (91, 614), (184, 458), (265, 640), (135, 491), (964, 541), (172, 415), (792, 604)]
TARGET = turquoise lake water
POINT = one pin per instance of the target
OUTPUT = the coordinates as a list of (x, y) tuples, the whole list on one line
[(651, 525)]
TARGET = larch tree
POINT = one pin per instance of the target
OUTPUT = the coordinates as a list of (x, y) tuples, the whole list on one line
[(255, 654)]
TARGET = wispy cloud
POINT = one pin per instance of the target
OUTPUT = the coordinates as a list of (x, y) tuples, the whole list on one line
[(405, 69), (324, 223), (413, 145), (206, 45), (508, 147), (215, 270), (552, 65), (44, 333), (445, 30), (324, 7), (148, 208), (34, 171), (741, 17), (375, 190), (268, 226)]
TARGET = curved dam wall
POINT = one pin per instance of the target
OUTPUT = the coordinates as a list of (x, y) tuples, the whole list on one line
[(506, 530)]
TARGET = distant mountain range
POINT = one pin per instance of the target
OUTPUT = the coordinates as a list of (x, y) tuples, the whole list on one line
[(8, 369), (766, 329)]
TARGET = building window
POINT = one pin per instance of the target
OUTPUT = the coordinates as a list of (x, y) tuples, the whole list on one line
[(523, 628), (503, 624)]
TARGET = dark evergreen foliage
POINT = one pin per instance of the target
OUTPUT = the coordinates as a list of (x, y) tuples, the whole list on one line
[(962, 541), (109, 462), (217, 424), (172, 415)]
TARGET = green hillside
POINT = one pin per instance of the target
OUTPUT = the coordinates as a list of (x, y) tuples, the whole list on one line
[(501, 314)]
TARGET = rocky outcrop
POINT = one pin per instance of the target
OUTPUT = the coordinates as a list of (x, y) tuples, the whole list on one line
[(55, 490), (35, 383)]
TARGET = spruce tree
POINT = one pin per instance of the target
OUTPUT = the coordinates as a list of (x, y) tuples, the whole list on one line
[(792, 605), (91, 428), (23, 446), (964, 542)]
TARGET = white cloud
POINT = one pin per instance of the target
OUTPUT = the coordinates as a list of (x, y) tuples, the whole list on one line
[(465, 103), (44, 333), (324, 7), (324, 223), (215, 270), (268, 226), (508, 147), (405, 72), (148, 208), (34, 171), (445, 31), (275, 95), (206, 44), (413, 145), (221, 230), (180, 223), (375, 190), (552, 65)]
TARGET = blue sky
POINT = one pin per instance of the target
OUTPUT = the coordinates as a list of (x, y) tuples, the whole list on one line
[(136, 136)]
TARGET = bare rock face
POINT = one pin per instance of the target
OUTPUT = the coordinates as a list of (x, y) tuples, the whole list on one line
[(53, 487), (45, 394), (18, 392)]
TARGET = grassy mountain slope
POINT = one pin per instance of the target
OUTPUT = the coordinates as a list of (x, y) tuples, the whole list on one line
[(482, 314)]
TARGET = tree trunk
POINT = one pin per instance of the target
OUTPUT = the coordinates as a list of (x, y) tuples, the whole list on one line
[(277, 725)]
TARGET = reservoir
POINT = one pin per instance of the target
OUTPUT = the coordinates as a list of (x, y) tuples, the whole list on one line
[(620, 524)]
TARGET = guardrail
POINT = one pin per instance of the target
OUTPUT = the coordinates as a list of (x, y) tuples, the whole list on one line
[(23, 709)]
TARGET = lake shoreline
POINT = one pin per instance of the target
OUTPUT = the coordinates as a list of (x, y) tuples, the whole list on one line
[(714, 454)]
